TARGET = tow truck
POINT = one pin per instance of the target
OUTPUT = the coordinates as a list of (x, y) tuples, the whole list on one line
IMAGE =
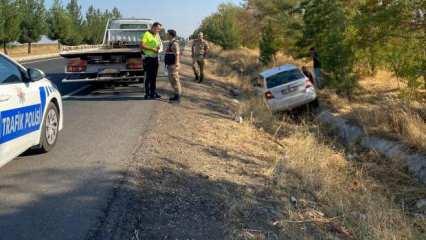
[(117, 60)]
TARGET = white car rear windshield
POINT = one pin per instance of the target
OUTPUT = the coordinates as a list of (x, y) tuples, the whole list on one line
[(284, 78)]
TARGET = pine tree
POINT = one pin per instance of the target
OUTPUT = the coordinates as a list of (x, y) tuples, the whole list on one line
[(268, 44), (115, 14), (94, 26), (33, 23), (9, 22), (59, 23), (74, 11)]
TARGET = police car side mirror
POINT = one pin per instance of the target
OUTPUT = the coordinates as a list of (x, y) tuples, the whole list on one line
[(36, 74)]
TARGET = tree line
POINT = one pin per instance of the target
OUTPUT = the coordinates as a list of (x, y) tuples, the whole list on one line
[(26, 21), (352, 38)]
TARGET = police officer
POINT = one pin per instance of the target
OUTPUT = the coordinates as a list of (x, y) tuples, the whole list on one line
[(172, 60), (317, 67), (151, 45), (200, 49)]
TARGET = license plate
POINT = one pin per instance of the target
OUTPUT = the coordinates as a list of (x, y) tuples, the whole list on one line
[(289, 90)]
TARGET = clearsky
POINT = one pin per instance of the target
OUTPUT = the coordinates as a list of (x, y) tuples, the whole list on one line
[(182, 15)]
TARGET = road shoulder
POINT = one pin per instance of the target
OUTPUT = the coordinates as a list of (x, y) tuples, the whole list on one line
[(193, 168)]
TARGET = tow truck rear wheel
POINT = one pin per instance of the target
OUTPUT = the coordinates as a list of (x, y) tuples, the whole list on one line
[(50, 129)]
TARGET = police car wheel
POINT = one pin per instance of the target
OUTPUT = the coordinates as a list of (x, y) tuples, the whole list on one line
[(50, 130)]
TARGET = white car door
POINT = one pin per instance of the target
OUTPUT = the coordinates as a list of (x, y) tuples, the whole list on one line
[(20, 111)]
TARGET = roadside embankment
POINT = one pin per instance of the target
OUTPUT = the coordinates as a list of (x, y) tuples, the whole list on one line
[(351, 135), (354, 192), (203, 175)]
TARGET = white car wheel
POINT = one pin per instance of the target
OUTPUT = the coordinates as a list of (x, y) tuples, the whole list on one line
[(50, 129)]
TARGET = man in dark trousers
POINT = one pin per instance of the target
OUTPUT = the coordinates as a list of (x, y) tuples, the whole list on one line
[(151, 45), (308, 74), (317, 67)]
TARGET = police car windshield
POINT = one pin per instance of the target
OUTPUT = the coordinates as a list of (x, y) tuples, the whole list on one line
[(284, 78)]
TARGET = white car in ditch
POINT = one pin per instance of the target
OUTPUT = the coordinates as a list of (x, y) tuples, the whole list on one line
[(286, 87), (30, 110)]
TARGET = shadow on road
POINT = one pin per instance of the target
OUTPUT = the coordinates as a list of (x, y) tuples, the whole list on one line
[(62, 210), (166, 203)]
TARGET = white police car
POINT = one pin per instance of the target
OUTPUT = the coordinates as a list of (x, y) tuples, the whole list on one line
[(30, 110)]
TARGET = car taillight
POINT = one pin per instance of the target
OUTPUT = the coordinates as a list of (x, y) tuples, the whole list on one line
[(308, 84), (76, 65), (269, 95), (134, 63)]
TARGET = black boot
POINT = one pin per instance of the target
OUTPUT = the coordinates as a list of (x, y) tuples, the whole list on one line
[(196, 77), (156, 96), (201, 78)]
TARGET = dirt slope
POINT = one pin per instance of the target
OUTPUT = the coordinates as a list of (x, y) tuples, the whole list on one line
[(201, 175)]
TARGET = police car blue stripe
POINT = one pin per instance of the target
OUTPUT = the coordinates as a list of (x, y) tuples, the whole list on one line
[(43, 97), (18, 122)]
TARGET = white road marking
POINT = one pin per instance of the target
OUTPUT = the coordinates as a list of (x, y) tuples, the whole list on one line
[(75, 92), (41, 60)]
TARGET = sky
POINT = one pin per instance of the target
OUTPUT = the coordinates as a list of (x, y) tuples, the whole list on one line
[(182, 15)]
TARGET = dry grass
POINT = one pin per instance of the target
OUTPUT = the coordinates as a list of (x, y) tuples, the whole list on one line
[(350, 195), (379, 108), (37, 49), (315, 189), (356, 203)]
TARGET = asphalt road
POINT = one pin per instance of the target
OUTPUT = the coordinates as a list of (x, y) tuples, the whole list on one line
[(63, 194)]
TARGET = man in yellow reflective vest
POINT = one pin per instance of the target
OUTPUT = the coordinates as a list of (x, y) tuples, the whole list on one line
[(150, 46)]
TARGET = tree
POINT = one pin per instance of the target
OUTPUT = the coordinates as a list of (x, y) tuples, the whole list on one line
[(115, 13), (284, 16), (222, 28), (74, 11), (59, 23), (268, 45), (231, 36), (33, 22), (350, 36), (9, 22), (94, 25), (326, 29)]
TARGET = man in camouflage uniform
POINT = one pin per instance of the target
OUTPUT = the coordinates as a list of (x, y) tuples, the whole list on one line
[(200, 48), (173, 69)]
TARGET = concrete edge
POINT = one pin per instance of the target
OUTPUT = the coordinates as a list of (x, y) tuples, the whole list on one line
[(351, 135)]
